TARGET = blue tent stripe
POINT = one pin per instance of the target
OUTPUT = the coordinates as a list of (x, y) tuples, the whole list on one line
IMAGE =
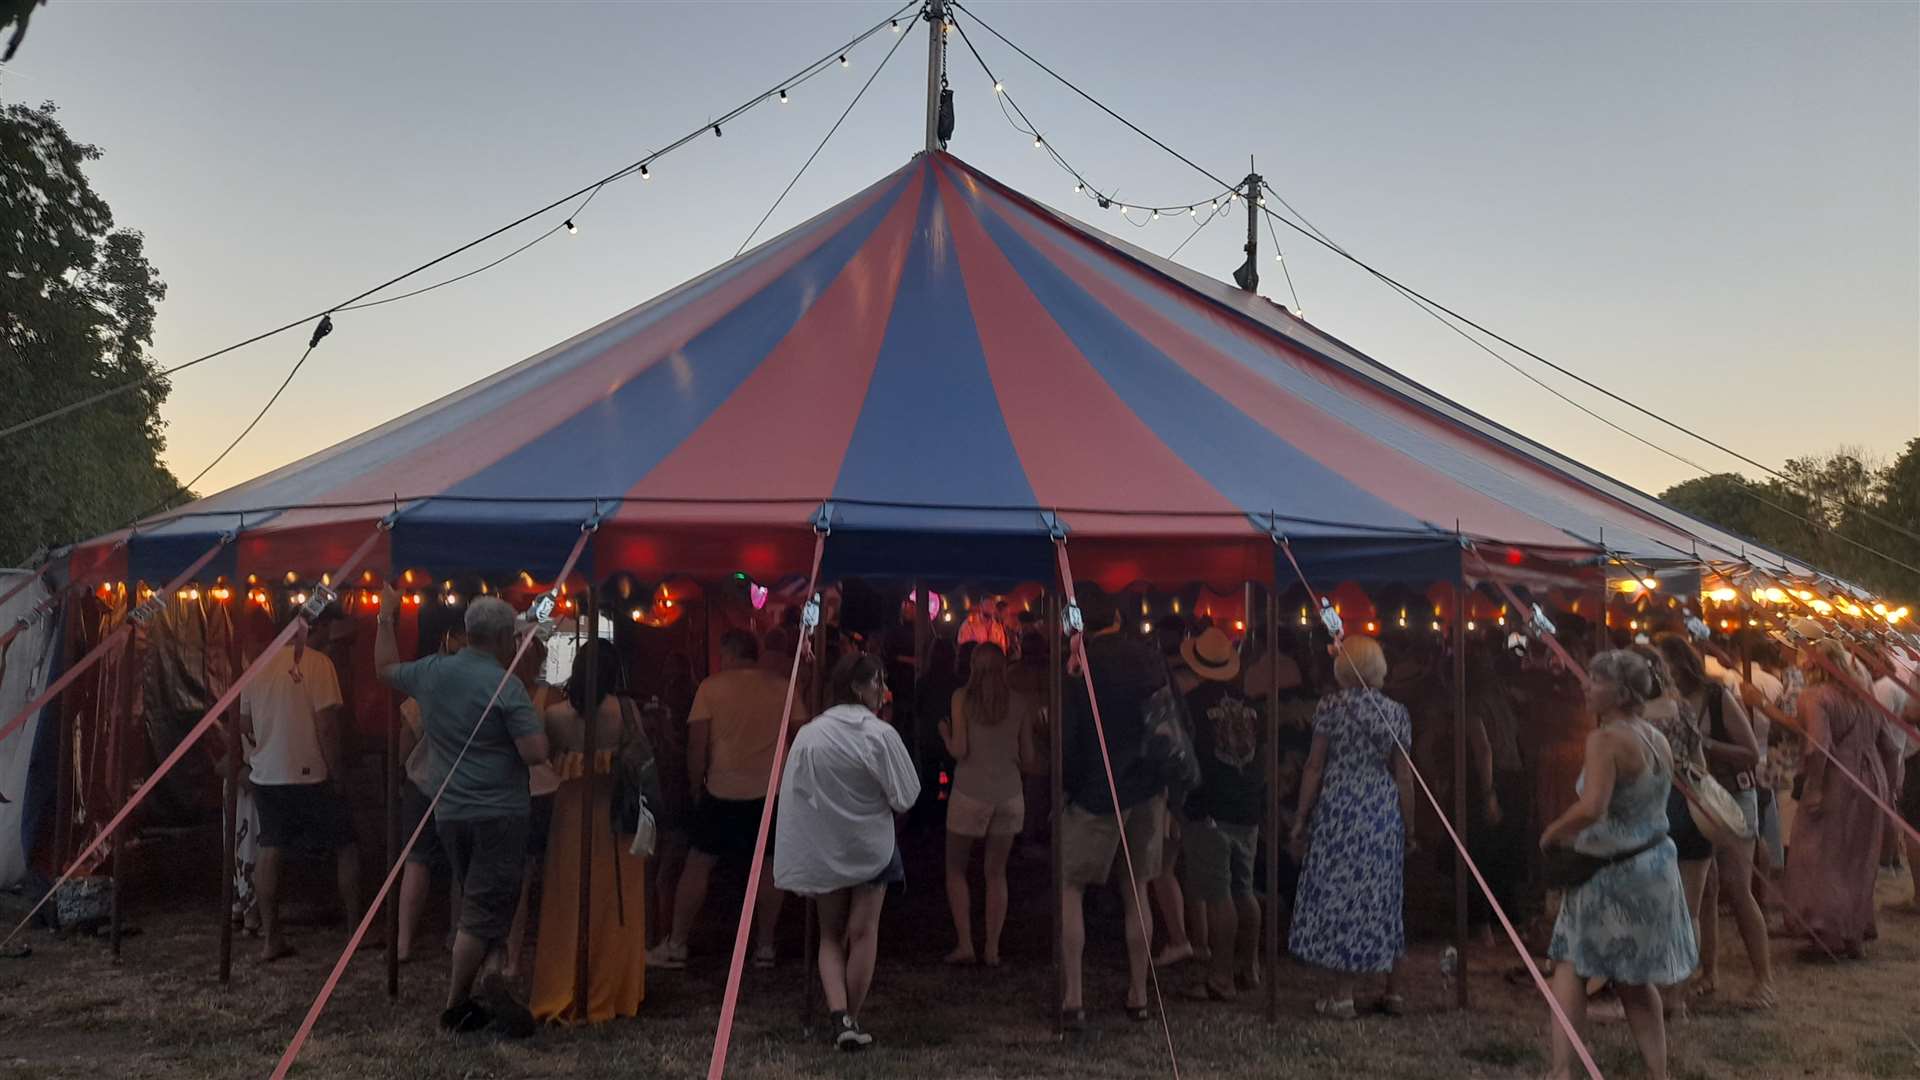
[(609, 447), (1247, 463), (931, 388)]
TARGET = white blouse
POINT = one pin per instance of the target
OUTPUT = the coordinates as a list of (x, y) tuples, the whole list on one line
[(846, 776)]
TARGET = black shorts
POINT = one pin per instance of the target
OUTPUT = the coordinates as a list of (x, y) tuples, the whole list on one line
[(312, 818), (727, 828), (1910, 793), (539, 823), (1691, 844), (488, 857), (427, 851)]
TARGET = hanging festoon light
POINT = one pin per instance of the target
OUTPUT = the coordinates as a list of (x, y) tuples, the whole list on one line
[(716, 131), (783, 95), (1036, 142), (843, 59), (571, 227), (999, 89), (895, 23)]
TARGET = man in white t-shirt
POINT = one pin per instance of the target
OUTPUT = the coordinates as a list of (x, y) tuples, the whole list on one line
[(290, 721)]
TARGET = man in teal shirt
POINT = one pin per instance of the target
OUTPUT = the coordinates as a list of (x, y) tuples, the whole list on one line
[(477, 760)]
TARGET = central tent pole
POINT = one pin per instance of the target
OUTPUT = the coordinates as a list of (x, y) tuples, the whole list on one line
[(1460, 913), (936, 68)]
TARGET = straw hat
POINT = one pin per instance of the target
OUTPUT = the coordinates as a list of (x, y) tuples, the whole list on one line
[(1211, 656)]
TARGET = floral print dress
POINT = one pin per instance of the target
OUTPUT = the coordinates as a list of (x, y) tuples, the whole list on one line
[(1348, 914), (1629, 922)]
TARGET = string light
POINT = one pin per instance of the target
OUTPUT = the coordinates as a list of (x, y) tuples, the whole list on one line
[(716, 131), (895, 23), (1036, 142), (999, 89), (1078, 188), (783, 96), (571, 227), (843, 59), (644, 174)]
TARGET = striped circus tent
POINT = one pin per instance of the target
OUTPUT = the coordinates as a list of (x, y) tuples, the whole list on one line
[(943, 373)]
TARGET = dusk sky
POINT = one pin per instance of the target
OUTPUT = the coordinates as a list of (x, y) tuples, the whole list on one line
[(1714, 208)]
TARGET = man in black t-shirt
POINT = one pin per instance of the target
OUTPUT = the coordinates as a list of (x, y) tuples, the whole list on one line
[(1126, 673), (1224, 813)]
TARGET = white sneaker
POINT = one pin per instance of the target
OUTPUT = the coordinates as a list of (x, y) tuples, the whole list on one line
[(667, 956), (847, 1034)]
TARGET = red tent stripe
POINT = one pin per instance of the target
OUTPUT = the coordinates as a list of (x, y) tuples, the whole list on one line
[(1078, 442), (799, 407)]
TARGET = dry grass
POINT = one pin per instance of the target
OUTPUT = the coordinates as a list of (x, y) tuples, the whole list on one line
[(69, 1012)]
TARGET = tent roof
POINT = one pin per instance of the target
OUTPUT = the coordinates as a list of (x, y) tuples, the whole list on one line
[(940, 370)]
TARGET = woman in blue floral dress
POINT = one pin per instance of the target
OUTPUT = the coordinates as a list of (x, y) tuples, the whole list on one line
[(1628, 922), (1356, 807)]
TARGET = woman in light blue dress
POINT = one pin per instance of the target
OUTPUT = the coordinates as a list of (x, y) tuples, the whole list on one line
[(1627, 923), (1356, 804)]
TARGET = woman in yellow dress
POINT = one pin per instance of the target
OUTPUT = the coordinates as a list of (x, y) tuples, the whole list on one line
[(616, 925)]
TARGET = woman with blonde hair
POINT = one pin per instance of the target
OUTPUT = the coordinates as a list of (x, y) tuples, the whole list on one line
[(1627, 920), (1354, 825), (990, 735), (1835, 854)]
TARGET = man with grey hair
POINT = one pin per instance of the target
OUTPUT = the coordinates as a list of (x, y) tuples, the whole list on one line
[(481, 754)]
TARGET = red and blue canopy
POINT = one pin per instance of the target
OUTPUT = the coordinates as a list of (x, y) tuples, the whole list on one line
[(943, 373)]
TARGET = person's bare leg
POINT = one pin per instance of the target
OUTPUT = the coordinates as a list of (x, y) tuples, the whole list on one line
[(469, 954), (1693, 881), (1247, 938), (766, 905), (1139, 920), (346, 866), (1073, 943), (1173, 911), (833, 947), (416, 881), (863, 943), (664, 873), (999, 850), (1709, 981), (690, 895), (1913, 863), (959, 898), (266, 890), (1649, 1024), (1571, 992), (1736, 879), (1223, 924)]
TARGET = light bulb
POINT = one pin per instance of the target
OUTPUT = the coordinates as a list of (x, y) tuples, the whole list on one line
[(1193, 211), (783, 97), (644, 174), (1036, 142), (1156, 215), (1078, 188), (1263, 200), (571, 227), (998, 89), (1277, 258), (896, 25), (843, 59), (716, 131)]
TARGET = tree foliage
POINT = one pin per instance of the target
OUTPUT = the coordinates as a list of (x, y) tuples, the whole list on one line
[(77, 304), (1843, 512)]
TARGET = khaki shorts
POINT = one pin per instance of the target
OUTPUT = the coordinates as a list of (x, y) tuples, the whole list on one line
[(971, 817), (1088, 842)]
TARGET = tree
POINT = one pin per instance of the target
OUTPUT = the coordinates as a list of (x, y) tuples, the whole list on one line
[(77, 304), (1842, 512)]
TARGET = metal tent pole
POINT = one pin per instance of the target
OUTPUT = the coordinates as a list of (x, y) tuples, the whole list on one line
[(1056, 773), (936, 68), (123, 728), (583, 956), (1460, 886), (1270, 927), (391, 916)]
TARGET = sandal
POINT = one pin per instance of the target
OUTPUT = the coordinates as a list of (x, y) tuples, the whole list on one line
[(1761, 998), (1073, 1021), (1136, 1013), (1336, 1010), (1391, 1005)]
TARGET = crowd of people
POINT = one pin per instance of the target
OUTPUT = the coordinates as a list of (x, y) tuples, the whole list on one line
[(1706, 780)]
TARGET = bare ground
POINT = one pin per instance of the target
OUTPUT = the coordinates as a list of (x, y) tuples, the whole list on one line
[(70, 1012)]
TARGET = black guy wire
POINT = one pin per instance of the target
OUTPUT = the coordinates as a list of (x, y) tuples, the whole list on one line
[(898, 39), (1411, 293), (804, 73), (187, 487)]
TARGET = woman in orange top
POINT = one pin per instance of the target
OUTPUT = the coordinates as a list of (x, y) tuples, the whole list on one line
[(616, 924)]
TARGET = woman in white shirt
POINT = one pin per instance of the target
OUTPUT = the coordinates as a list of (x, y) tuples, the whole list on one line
[(846, 776)]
